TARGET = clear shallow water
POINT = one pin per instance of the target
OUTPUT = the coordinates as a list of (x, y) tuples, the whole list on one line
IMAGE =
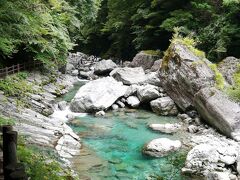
[(112, 145), (118, 138)]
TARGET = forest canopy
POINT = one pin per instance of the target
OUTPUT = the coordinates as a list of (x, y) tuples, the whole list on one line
[(46, 30), (129, 26)]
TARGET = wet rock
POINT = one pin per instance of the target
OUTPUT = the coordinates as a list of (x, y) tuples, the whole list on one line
[(133, 101), (165, 128), (115, 106), (104, 67), (100, 113), (144, 60), (129, 75), (97, 95), (62, 105), (147, 93), (164, 106), (161, 147)]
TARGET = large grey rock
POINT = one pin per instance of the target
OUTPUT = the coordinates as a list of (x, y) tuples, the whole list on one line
[(205, 158), (144, 60), (153, 78), (133, 101), (165, 128), (104, 67), (97, 95), (131, 90), (161, 147), (156, 65), (147, 93), (183, 74), (228, 67), (164, 106), (129, 75), (217, 110)]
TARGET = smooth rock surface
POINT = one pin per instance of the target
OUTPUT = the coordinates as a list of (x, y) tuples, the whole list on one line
[(97, 95), (161, 147), (165, 128), (217, 110), (144, 60), (164, 106), (147, 93), (104, 67), (129, 75), (133, 101)]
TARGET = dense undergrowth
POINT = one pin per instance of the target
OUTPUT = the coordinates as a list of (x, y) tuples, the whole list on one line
[(17, 86)]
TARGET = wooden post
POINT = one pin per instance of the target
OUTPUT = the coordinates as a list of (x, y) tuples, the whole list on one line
[(5, 129), (9, 150)]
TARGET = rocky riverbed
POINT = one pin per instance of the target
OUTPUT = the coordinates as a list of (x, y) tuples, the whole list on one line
[(183, 85)]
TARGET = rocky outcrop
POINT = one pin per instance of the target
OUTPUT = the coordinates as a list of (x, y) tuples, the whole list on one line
[(165, 128), (190, 82), (129, 76), (161, 147), (183, 74), (164, 106), (144, 60), (228, 67), (104, 67), (97, 95), (217, 110)]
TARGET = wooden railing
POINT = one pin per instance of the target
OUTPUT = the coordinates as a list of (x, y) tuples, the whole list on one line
[(19, 67)]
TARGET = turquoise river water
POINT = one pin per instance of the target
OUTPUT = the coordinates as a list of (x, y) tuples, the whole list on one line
[(112, 146)]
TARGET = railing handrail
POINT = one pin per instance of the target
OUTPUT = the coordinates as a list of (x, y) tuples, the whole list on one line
[(17, 68)]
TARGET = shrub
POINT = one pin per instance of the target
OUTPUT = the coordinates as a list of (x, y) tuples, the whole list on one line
[(153, 52), (218, 77), (6, 121), (41, 167), (234, 91)]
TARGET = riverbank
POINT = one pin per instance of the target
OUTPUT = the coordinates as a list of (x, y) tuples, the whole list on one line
[(31, 115)]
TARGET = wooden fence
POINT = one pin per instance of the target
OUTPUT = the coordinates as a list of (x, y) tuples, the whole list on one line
[(19, 67)]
